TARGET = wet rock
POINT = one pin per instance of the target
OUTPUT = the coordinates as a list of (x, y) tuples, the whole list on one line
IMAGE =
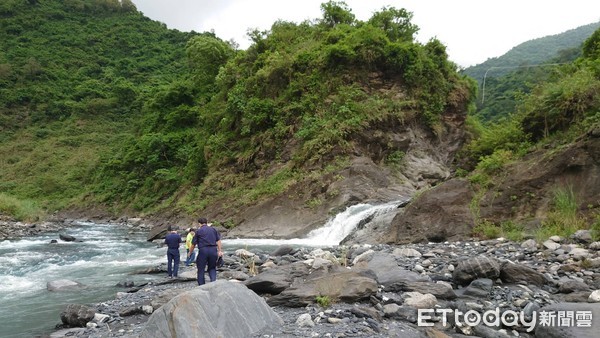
[(63, 285), (66, 238), (284, 250)]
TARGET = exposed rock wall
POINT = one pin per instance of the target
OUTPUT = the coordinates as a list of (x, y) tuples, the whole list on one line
[(522, 192)]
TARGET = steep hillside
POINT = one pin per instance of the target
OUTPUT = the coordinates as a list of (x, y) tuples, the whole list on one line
[(312, 117), (564, 46), (271, 140), (537, 172), (74, 77)]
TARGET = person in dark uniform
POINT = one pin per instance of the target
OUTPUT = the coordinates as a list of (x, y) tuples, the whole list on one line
[(172, 240), (208, 240)]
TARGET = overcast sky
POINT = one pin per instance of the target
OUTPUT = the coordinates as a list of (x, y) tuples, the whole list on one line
[(472, 30)]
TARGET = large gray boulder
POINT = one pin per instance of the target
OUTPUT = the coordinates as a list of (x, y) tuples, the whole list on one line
[(339, 284), (515, 273), (274, 281), (474, 268), (217, 309)]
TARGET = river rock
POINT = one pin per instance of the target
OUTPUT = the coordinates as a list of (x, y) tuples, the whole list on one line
[(387, 271), (273, 281), (551, 245), (77, 315), (164, 297), (66, 238), (582, 236), (517, 273), (218, 309), (338, 284), (480, 288), (284, 250), (419, 300), (529, 244), (572, 286), (478, 267), (304, 320), (406, 252), (63, 285), (594, 297)]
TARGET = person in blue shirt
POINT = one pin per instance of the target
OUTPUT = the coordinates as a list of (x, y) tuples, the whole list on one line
[(172, 240), (208, 240)]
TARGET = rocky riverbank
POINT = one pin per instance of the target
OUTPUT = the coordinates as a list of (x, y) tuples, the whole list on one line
[(377, 291)]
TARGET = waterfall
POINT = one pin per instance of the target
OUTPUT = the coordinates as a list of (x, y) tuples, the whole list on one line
[(333, 232), (342, 225)]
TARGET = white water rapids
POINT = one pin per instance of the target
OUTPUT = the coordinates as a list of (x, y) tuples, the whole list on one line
[(107, 255)]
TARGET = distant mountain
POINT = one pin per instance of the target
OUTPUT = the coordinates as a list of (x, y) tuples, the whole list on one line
[(563, 47)]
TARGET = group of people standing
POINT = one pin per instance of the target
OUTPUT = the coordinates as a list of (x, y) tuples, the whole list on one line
[(208, 241)]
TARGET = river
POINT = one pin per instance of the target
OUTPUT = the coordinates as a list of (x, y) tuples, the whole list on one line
[(107, 255)]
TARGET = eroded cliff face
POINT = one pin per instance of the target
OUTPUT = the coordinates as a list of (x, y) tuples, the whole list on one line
[(391, 160), (366, 178), (523, 192)]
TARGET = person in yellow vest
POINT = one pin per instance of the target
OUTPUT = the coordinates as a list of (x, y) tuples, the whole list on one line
[(188, 245)]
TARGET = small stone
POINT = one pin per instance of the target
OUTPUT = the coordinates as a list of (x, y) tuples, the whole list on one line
[(529, 244), (419, 268), (551, 245), (556, 239), (426, 263), (304, 320), (333, 320), (594, 297), (450, 267)]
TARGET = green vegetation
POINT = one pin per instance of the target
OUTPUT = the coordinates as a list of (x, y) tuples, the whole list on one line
[(100, 105), (555, 112), (323, 301), (563, 220), (74, 78), (514, 75), (21, 210)]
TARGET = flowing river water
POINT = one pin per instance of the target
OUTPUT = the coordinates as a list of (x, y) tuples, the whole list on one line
[(107, 255)]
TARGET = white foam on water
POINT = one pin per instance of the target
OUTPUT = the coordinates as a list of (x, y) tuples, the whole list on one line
[(331, 234)]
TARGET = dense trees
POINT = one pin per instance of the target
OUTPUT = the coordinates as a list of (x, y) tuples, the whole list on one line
[(142, 116)]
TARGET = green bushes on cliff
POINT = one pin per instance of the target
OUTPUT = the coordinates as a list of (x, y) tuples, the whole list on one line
[(117, 109)]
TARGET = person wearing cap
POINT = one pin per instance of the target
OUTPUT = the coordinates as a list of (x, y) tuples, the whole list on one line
[(188, 244), (208, 240), (172, 240)]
